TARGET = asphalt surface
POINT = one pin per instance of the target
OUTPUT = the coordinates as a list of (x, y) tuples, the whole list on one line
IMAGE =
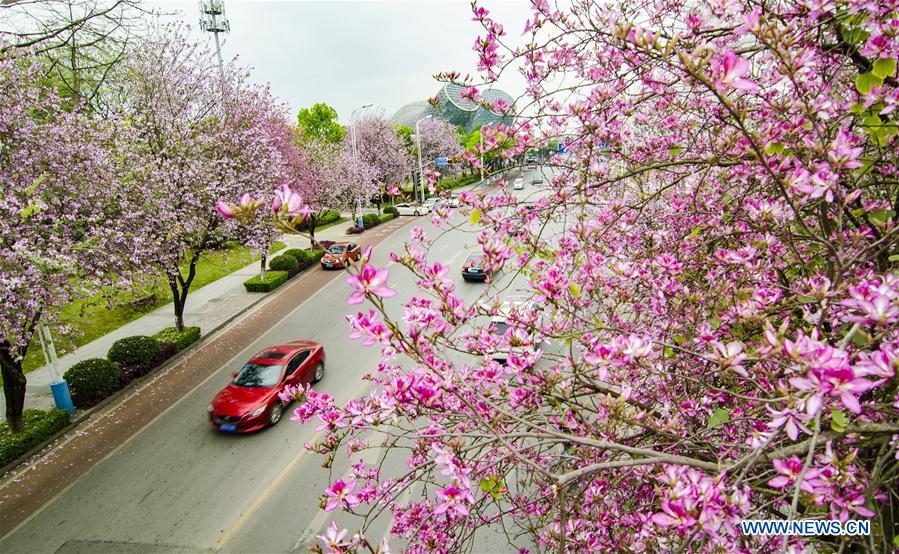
[(178, 486)]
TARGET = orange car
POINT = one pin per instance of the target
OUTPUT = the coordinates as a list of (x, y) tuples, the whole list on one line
[(339, 255)]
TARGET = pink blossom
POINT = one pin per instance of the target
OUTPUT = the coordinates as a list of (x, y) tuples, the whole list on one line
[(225, 209), (341, 495), (730, 69), (453, 500), (369, 281), (333, 538)]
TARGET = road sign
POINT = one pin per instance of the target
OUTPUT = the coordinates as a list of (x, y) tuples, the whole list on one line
[(562, 148), (442, 161), (603, 145)]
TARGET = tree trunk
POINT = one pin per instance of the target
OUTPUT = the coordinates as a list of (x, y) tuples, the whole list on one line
[(262, 265), (13, 386), (311, 226), (177, 304)]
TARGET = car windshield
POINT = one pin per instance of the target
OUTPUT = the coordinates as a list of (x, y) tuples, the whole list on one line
[(337, 249), (500, 327), (478, 262), (258, 375)]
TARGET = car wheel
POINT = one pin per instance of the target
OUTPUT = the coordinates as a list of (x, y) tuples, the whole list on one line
[(415, 213), (275, 415), (319, 372)]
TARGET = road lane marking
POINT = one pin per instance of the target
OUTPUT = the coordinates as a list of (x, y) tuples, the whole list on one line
[(267, 492)]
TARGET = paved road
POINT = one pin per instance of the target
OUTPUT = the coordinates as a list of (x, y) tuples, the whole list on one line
[(178, 486)]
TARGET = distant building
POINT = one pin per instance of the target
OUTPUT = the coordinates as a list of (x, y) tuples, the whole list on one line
[(459, 111)]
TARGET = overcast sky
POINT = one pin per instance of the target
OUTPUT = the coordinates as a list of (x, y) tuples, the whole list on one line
[(351, 53)]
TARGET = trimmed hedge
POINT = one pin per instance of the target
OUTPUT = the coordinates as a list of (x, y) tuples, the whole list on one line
[(387, 217), (391, 210), (39, 426), (371, 219), (451, 183), (284, 263), (180, 340), (90, 381), (134, 350), (298, 254), (273, 280), (326, 218)]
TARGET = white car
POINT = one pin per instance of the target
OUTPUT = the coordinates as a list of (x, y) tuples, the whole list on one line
[(412, 209), (453, 201), (515, 339), (432, 202), (518, 184)]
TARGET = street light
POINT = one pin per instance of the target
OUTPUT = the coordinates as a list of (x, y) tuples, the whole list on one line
[(421, 177), (481, 136), (359, 222)]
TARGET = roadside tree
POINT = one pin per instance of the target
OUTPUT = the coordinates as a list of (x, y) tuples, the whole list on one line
[(202, 137), (68, 214)]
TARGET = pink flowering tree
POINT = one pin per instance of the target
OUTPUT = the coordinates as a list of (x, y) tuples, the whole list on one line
[(202, 137), (439, 139), (380, 148), (712, 330), (67, 214)]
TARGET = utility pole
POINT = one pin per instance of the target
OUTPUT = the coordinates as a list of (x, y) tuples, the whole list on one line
[(213, 20), (481, 136)]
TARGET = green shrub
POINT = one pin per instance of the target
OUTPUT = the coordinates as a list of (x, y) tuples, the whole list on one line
[(181, 339), (387, 217), (326, 218), (134, 350), (298, 254), (283, 263), (39, 426), (371, 219), (315, 256), (391, 210), (90, 381), (273, 280)]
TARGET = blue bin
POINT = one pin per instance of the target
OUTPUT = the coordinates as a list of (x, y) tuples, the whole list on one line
[(62, 397)]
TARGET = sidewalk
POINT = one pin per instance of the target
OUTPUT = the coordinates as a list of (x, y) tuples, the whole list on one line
[(207, 307)]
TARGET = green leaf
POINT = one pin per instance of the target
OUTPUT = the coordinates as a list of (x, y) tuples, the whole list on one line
[(675, 150), (716, 322), (866, 81), (896, 541), (884, 67), (774, 148), (30, 190), (668, 352), (894, 258), (29, 210), (872, 120), (475, 217), (838, 420), (719, 417), (880, 217), (575, 290), (807, 299), (679, 339)]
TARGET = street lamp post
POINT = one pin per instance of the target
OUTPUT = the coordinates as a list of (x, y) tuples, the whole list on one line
[(421, 177), (481, 136), (359, 221)]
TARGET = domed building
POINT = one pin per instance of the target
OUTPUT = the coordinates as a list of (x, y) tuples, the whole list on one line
[(459, 111)]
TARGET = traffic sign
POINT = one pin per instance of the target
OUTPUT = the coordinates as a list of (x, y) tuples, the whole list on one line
[(442, 161)]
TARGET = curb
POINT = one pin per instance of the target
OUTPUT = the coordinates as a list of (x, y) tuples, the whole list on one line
[(130, 387)]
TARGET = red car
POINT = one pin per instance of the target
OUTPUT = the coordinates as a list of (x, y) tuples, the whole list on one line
[(250, 401), (339, 255)]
